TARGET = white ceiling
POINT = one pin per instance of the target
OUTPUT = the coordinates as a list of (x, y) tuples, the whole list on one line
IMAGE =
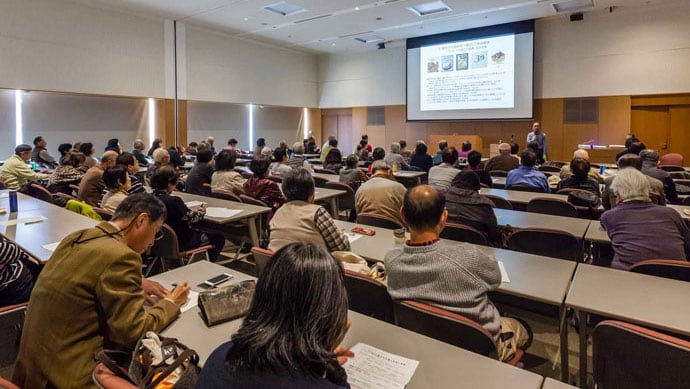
[(344, 20)]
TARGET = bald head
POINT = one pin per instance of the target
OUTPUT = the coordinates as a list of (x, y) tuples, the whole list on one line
[(504, 149), (108, 159), (423, 208), (582, 154)]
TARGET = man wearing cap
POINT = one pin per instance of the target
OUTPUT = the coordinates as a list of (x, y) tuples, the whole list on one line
[(381, 194), (16, 173)]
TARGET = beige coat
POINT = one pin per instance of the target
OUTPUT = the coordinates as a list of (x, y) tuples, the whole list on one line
[(382, 196)]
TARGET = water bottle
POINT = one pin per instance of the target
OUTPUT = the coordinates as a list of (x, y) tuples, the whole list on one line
[(13, 201), (33, 165), (601, 169)]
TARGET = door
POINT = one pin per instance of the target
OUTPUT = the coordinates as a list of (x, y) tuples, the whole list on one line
[(651, 126), (345, 134)]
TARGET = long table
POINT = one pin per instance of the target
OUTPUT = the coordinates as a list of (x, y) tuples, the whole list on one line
[(522, 219), (441, 365)]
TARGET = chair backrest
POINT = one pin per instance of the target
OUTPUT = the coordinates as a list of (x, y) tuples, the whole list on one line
[(679, 175), (549, 168), (105, 214), (686, 201), (250, 200), (464, 233), (372, 219), (659, 200), (499, 202), (261, 258), (547, 242), (498, 173), (166, 247), (368, 296), (277, 179), (682, 181), (667, 268), (671, 168), (445, 326), (11, 323), (551, 207), (671, 159), (42, 193), (320, 182), (325, 171), (225, 195), (629, 356), (246, 175), (346, 201), (525, 188)]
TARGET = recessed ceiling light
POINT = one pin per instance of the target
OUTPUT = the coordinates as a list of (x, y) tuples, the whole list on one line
[(573, 5), (356, 8), (284, 8), (430, 8), (332, 44), (245, 19), (369, 38)]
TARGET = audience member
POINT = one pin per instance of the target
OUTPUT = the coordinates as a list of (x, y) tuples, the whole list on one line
[(90, 296), (334, 160), (176, 157), (332, 144), (117, 182), (298, 159), (192, 149), (200, 177), (40, 153), (421, 159), (351, 174), (211, 140), (127, 160), (161, 158), (92, 184), (640, 229), (17, 274), (260, 145), (381, 194), (438, 158), (156, 144), (635, 147), (650, 167), (16, 173), (368, 146), (579, 178), (504, 160), (466, 206), (362, 152), (281, 156), (138, 152), (300, 220), (180, 218), (453, 276), (260, 187), (66, 173), (593, 172), (295, 346), (88, 150), (656, 191), (64, 149), (474, 164), (394, 158), (311, 146), (113, 145), (225, 177), (406, 154), (232, 145), (465, 149), (442, 175), (526, 174)]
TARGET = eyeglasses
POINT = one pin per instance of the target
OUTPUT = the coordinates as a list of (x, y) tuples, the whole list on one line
[(159, 235)]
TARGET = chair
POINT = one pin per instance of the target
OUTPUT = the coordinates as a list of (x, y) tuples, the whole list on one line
[(369, 296), (499, 202), (549, 168), (346, 202), (319, 182), (667, 268), (372, 219), (75, 189), (686, 201), (167, 249), (325, 171), (498, 173), (225, 195), (263, 230), (251, 200), (629, 356), (525, 188), (671, 159), (679, 175), (546, 242), (42, 193), (550, 206), (246, 175), (11, 323), (671, 168), (105, 214), (464, 233), (261, 258), (277, 179), (65, 196), (448, 327)]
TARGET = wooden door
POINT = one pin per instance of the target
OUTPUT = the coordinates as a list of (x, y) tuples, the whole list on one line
[(345, 143), (651, 126)]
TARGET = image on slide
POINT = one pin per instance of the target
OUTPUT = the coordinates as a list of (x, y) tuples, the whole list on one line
[(462, 61)]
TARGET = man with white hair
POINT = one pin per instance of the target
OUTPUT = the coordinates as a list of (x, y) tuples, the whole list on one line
[(138, 152), (394, 157), (639, 229), (210, 141), (593, 172), (503, 161)]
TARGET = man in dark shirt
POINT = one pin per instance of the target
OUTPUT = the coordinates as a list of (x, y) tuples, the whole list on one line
[(201, 174), (503, 161), (650, 162)]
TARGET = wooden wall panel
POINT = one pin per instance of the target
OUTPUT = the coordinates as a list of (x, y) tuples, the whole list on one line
[(614, 119), (680, 131)]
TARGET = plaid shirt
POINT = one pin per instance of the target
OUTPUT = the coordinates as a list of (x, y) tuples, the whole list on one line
[(335, 240)]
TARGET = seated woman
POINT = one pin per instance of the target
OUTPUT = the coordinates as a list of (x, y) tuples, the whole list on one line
[(201, 174), (289, 338), (17, 274), (466, 206), (334, 160), (580, 178), (465, 150), (160, 158), (280, 167), (117, 181), (260, 187), (180, 218), (225, 178), (421, 159), (474, 163), (67, 173), (89, 161), (351, 174), (377, 155)]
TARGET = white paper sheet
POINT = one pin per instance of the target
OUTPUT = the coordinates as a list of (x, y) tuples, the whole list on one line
[(504, 273), (221, 212), (352, 237), (50, 246), (191, 301), (193, 204), (23, 220), (375, 368), (4, 194)]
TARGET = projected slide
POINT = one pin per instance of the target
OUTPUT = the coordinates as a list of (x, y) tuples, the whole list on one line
[(471, 74)]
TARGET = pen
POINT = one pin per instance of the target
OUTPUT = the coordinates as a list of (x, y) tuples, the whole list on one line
[(33, 222)]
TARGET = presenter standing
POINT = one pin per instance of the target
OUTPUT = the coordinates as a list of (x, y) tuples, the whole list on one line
[(537, 135)]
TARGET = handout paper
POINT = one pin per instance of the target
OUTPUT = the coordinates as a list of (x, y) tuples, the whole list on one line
[(504, 273), (50, 246), (375, 368), (221, 212)]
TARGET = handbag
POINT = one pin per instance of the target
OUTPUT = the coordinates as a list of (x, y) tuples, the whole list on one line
[(584, 198), (219, 305)]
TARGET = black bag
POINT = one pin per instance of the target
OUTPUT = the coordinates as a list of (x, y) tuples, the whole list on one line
[(584, 198)]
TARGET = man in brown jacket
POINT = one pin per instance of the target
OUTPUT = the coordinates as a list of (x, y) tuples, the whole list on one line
[(89, 296), (92, 185)]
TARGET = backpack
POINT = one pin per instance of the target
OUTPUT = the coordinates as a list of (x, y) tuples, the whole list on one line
[(584, 198)]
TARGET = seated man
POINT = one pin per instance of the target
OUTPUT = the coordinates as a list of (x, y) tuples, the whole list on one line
[(639, 229), (442, 175), (40, 153), (300, 220), (128, 161), (466, 206), (438, 157), (138, 152), (394, 157), (579, 178), (474, 164), (656, 191), (89, 296), (503, 161), (92, 184), (650, 167), (593, 172), (16, 173), (201, 173), (381, 194), (526, 174), (451, 275), (17, 274)]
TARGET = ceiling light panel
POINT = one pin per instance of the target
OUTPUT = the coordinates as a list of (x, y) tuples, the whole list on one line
[(284, 8), (430, 8), (573, 5)]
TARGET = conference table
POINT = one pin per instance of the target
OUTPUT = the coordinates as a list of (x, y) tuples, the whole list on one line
[(520, 198), (522, 219), (440, 365), (649, 301)]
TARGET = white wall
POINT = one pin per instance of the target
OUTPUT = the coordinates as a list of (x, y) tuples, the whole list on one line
[(66, 46), (225, 69)]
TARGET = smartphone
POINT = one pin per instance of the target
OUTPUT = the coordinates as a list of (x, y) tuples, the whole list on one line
[(217, 280), (364, 231)]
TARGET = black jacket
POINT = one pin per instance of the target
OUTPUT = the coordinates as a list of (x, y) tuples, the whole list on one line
[(470, 208)]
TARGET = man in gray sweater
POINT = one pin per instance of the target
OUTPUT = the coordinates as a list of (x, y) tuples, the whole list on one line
[(453, 276)]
